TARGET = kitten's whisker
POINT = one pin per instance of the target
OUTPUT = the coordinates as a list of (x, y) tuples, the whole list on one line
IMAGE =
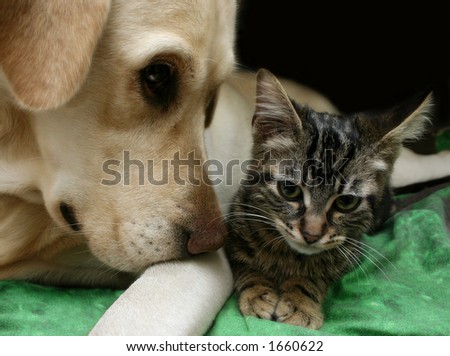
[(279, 240), (251, 217), (344, 254), (248, 214), (249, 206), (266, 227), (373, 259), (243, 212), (364, 245), (355, 258), (274, 241), (267, 222)]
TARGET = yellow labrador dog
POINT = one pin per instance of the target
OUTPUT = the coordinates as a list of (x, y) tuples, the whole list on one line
[(90, 91), (92, 95)]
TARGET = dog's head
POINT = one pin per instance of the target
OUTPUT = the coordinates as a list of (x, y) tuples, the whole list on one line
[(117, 97)]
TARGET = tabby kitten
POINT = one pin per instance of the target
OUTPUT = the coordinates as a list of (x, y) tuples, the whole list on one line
[(319, 181)]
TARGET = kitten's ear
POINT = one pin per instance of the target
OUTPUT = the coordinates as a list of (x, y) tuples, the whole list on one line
[(274, 113), (405, 122), (410, 119)]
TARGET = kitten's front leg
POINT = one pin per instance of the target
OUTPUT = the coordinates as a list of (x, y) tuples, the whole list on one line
[(257, 296), (300, 303)]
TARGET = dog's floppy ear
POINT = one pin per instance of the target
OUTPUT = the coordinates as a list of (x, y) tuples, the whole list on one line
[(46, 47)]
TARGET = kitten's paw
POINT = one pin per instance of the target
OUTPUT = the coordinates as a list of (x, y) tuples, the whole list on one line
[(298, 311), (258, 301)]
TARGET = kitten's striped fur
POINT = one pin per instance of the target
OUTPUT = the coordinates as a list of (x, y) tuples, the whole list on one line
[(285, 245)]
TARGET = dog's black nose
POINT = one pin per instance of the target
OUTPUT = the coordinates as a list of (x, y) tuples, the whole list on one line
[(69, 215)]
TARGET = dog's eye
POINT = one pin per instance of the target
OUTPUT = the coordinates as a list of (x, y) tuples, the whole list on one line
[(157, 74), (69, 215), (159, 83)]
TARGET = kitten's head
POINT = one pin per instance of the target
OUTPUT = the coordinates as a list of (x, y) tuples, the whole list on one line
[(326, 178)]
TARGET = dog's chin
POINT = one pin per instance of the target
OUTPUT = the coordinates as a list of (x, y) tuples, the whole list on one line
[(125, 262), (135, 255)]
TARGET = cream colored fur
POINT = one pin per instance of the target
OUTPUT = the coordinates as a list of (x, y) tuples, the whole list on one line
[(70, 100), (54, 144)]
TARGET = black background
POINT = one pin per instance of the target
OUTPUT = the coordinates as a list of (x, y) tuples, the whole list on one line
[(361, 57)]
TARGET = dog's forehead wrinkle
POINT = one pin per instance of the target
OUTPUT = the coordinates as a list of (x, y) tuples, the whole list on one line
[(143, 22), (137, 55)]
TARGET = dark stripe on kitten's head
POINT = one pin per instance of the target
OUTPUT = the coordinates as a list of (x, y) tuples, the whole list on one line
[(330, 138)]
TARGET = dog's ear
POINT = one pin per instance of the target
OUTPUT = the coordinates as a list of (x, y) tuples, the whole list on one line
[(46, 47)]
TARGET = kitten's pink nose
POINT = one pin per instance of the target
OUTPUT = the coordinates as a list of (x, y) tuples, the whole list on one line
[(309, 237), (313, 227)]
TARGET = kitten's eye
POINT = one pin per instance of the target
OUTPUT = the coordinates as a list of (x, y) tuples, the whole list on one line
[(347, 203), (289, 190)]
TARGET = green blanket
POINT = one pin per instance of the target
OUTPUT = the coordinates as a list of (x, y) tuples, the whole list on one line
[(402, 287)]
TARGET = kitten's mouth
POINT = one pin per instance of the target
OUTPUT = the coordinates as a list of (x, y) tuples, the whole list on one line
[(323, 244), (298, 243)]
